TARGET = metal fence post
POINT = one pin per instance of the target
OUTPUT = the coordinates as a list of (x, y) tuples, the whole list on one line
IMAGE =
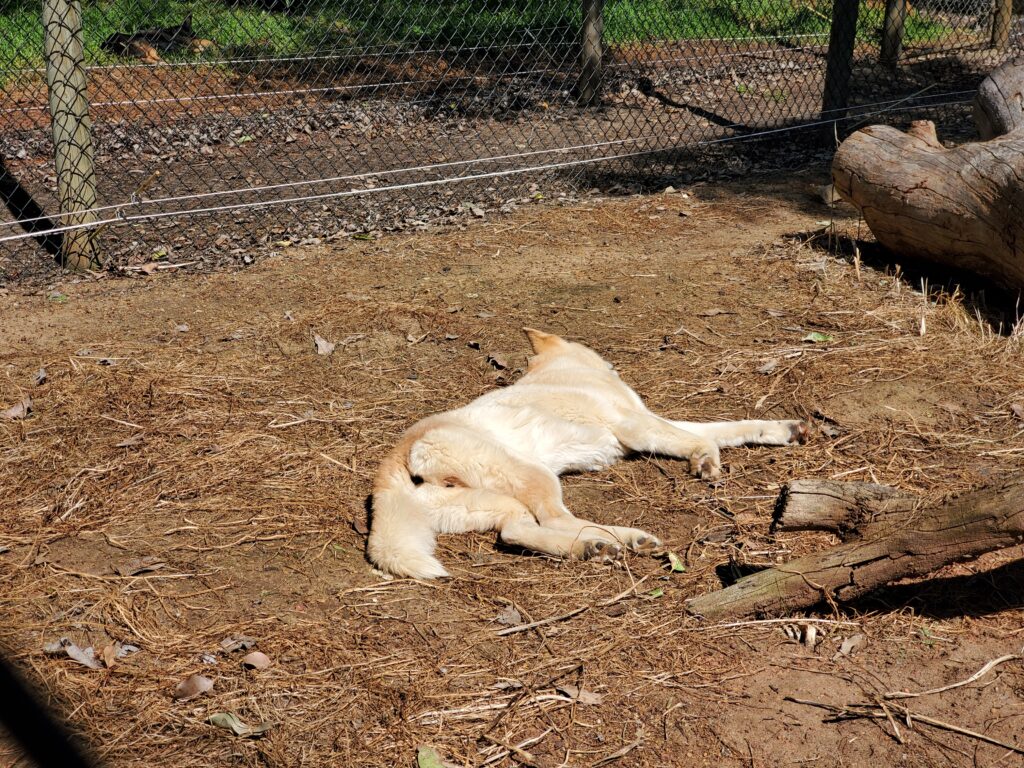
[(72, 129), (591, 73), (892, 32), (1002, 20), (839, 66)]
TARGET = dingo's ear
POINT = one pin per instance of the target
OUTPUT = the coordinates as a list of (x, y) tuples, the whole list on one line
[(543, 342)]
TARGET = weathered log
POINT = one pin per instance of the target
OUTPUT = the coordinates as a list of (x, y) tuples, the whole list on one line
[(957, 207), (847, 509), (910, 544)]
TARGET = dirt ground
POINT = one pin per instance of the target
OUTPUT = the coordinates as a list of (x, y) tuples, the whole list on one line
[(188, 419)]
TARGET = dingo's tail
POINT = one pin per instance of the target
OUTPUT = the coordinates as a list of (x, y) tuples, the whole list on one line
[(401, 535)]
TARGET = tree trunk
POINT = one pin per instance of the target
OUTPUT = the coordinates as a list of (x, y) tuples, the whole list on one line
[(958, 207), (892, 546)]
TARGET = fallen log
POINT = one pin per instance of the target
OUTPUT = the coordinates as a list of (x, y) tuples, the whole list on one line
[(956, 207), (895, 545), (842, 508)]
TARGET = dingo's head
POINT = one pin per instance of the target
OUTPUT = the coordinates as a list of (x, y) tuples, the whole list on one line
[(549, 348)]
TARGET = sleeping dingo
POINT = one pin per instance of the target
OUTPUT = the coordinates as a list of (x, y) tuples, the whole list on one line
[(493, 465)]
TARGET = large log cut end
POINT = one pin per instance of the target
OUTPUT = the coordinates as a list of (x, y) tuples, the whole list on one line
[(956, 207)]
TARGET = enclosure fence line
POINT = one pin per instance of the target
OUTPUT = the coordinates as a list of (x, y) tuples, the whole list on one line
[(123, 218), (444, 86)]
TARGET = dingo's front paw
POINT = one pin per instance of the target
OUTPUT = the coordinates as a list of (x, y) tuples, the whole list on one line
[(799, 432)]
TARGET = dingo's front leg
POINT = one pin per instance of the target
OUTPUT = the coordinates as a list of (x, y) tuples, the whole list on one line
[(728, 434), (643, 432)]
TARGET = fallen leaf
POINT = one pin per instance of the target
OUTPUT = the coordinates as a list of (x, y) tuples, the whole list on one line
[(109, 655), (477, 211), (659, 592), (132, 441), (64, 647), (676, 562), (191, 687), (360, 526), (817, 338), (236, 643), (40, 378), (428, 757), (256, 660), (323, 346), (1017, 410), (182, 328), (352, 338), (509, 616), (715, 312), (497, 360), (849, 645), (139, 565), (18, 410), (229, 721), (768, 367), (451, 336), (582, 695)]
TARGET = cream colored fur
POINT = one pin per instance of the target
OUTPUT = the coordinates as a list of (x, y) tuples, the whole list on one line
[(493, 465)]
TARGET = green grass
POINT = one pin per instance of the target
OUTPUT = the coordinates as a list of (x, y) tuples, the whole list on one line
[(296, 27)]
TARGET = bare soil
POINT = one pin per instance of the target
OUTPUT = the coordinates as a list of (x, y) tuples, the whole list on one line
[(188, 418)]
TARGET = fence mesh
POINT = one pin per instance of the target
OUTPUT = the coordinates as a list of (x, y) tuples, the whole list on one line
[(221, 129)]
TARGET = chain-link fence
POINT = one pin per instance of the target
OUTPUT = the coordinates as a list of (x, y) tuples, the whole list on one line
[(182, 130)]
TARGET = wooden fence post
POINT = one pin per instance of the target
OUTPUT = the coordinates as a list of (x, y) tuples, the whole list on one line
[(892, 32), (72, 129), (1002, 20), (839, 66), (591, 70)]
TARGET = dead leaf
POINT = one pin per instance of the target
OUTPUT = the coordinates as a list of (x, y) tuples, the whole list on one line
[(497, 360), (509, 616), (428, 757), (849, 645), (1017, 410), (323, 346), (715, 312), (768, 367), (139, 565), (182, 328), (352, 338), (64, 647), (582, 695), (477, 211), (192, 687), (40, 378), (236, 643), (109, 655), (256, 660), (18, 410), (360, 526), (132, 441), (229, 721)]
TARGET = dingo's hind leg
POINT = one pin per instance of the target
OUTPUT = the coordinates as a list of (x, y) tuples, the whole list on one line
[(634, 539), (460, 510)]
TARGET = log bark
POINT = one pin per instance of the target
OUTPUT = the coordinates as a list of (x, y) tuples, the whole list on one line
[(847, 509), (900, 545), (956, 207)]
